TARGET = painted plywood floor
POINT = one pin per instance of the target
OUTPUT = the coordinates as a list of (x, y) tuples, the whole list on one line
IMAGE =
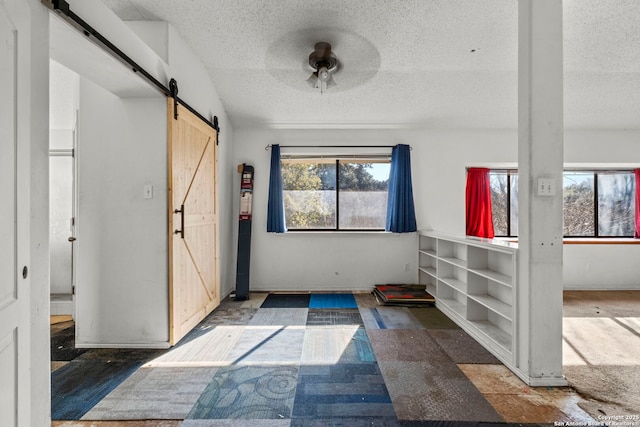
[(274, 361)]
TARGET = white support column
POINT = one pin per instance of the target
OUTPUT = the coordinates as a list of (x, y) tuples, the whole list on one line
[(540, 163)]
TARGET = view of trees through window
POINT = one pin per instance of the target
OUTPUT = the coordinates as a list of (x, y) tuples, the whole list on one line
[(335, 195), (596, 203), (616, 204)]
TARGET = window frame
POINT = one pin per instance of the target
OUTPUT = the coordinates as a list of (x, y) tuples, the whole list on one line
[(336, 159), (509, 172)]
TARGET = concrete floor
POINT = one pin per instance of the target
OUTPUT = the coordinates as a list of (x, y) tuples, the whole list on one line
[(601, 351), (601, 354)]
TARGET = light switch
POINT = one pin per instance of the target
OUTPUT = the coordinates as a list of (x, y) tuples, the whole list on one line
[(546, 187), (148, 191)]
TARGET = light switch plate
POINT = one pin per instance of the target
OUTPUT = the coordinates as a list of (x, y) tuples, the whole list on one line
[(148, 191), (546, 187)]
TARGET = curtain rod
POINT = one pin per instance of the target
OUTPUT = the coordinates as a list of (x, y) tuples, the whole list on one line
[(331, 146)]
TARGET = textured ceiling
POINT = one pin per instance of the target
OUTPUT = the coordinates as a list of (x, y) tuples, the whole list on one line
[(437, 63)]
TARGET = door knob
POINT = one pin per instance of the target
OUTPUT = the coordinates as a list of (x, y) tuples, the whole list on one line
[(72, 239)]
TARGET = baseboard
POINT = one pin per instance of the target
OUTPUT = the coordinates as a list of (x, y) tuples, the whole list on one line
[(600, 287), (59, 307), (538, 381), (149, 345)]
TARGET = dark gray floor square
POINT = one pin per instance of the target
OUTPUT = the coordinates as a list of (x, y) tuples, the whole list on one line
[(323, 317)]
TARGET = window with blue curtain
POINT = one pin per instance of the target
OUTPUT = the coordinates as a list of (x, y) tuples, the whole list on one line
[(401, 215), (400, 210), (275, 207)]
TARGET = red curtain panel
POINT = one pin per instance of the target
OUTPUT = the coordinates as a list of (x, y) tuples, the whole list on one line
[(479, 218)]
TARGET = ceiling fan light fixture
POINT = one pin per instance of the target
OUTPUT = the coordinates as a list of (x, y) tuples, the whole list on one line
[(325, 63), (330, 82), (323, 74)]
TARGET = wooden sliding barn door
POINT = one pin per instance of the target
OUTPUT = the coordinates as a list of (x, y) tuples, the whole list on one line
[(194, 284)]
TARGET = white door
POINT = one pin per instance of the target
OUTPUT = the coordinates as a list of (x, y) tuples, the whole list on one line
[(14, 217)]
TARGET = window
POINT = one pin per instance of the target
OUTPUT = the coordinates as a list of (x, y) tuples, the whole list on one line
[(335, 194), (504, 202), (578, 204), (596, 203), (616, 204)]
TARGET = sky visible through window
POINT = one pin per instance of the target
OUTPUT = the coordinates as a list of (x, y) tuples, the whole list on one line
[(379, 171)]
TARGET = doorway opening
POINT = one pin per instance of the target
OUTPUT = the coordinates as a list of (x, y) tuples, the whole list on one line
[(63, 109)]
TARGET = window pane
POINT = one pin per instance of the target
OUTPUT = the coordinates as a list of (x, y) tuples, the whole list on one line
[(578, 204), (514, 204), (309, 195), (499, 199), (616, 204), (363, 195)]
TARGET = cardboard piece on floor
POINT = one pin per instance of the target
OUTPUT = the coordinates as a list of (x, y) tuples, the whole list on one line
[(402, 295)]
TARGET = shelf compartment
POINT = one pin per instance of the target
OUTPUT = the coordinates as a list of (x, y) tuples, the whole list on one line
[(452, 273), (454, 251), (455, 261), (431, 289), (427, 244), (453, 305), (456, 284), (493, 275), (493, 295), (426, 261), (491, 324), (429, 252), (494, 264), (496, 334), (452, 298), (426, 278), (431, 271), (495, 305)]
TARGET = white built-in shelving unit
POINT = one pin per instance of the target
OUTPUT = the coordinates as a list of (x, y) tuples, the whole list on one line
[(474, 283)]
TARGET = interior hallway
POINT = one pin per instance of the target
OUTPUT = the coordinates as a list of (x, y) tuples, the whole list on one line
[(286, 363)]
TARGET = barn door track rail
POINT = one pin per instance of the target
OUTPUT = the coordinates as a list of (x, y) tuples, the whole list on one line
[(61, 7)]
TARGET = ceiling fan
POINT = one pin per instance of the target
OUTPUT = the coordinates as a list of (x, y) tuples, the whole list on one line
[(325, 63)]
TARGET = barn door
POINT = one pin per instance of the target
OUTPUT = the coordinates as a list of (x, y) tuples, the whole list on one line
[(15, 154), (194, 284)]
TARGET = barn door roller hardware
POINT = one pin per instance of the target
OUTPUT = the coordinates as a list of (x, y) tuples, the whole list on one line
[(61, 7), (173, 87)]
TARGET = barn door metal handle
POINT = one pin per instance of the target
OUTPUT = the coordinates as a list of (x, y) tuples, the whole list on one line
[(181, 212)]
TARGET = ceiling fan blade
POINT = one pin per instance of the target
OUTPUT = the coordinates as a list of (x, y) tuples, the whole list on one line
[(331, 83), (313, 80)]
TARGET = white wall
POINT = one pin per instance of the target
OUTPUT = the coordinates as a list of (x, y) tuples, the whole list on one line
[(122, 241), (176, 60), (608, 266), (63, 98), (122, 293), (309, 261), (597, 267), (195, 87), (440, 158)]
